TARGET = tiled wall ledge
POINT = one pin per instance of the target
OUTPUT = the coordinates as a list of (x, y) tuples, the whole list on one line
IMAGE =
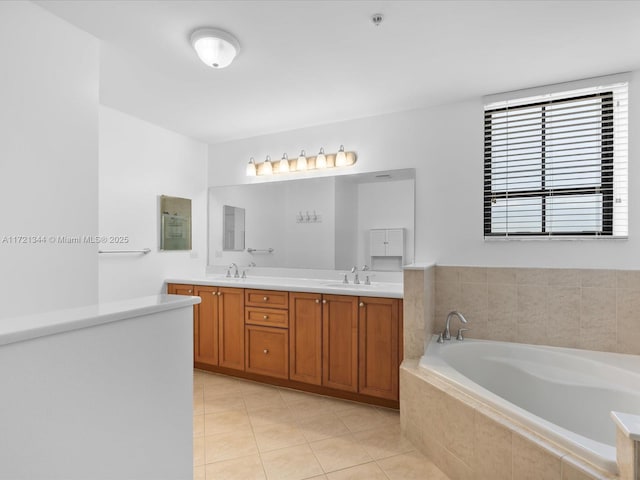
[(627, 444), (469, 440), (589, 309)]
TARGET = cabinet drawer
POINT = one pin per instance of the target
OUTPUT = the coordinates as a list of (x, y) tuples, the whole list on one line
[(269, 317), (267, 351), (266, 298)]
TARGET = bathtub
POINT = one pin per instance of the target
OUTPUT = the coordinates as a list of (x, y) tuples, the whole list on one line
[(563, 394)]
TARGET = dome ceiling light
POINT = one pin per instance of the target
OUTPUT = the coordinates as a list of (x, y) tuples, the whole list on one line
[(216, 48)]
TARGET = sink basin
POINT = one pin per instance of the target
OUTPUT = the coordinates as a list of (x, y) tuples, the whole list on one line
[(347, 285)]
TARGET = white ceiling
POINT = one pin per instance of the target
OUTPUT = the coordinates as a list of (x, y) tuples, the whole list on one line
[(310, 62)]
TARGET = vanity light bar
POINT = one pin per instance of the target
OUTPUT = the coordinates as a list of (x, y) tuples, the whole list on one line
[(301, 163)]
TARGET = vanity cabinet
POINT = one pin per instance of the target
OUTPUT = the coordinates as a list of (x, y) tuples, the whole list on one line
[(340, 345)]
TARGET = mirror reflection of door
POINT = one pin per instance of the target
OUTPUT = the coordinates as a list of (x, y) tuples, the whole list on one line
[(233, 228), (175, 223)]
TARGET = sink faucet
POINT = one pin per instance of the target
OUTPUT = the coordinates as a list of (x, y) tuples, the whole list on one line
[(356, 280), (236, 274), (446, 334)]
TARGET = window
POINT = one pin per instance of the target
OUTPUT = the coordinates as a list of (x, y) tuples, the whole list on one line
[(556, 164)]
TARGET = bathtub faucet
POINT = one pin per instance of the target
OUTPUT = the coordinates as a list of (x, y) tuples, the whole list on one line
[(446, 334)]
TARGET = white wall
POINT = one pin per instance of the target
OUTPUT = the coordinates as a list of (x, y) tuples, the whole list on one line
[(138, 163), (445, 146), (48, 161)]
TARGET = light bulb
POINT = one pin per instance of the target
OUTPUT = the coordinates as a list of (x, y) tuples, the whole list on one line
[(341, 157), (267, 168), (283, 166), (321, 160), (301, 164), (251, 168)]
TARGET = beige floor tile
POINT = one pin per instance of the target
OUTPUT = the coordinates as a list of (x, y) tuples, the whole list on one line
[(384, 442), (411, 466), (364, 417), (368, 471), (316, 405), (269, 415), (292, 463), (247, 387), (228, 445), (319, 427), (199, 473), (243, 468), (198, 451), (224, 403), (198, 425), (225, 422), (341, 452), (292, 396), (274, 436), (258, 400), (198, 405)]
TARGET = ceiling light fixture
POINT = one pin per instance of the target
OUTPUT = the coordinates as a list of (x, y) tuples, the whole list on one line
[(283, 166), (322, 161), (251, 168), (267, 168), (341, 157), (215, 47)]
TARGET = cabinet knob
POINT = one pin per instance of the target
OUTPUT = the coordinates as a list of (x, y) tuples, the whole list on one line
[(324, 301), (317, 300), (266, 350), (362, 304), (265, 298), (219, 293), (188, 291), (265, 317)]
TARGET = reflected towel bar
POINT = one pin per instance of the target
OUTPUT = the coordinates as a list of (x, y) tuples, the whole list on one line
[(260, 250), (143, 251)]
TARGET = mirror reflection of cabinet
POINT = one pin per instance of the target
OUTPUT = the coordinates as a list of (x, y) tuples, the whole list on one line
[(386, 248), (233, 228)]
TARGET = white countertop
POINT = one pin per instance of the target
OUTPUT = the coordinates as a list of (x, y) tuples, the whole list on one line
[(19, 329), (334, 287)]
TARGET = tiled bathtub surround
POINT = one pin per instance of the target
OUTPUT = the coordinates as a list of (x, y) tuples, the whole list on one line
[(468, 440), (419, 307), (589, 309)]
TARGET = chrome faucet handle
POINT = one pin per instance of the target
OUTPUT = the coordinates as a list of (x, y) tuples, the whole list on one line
[(345, 279), (228, 275), (459, 335), (367, 279), (356, 280), (440, 339), (244, 274)]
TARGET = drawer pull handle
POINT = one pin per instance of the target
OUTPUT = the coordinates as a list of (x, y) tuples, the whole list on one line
[(265, 317), (324, 301), (317, 300), (362, 304), (266, 351), (265, 298)]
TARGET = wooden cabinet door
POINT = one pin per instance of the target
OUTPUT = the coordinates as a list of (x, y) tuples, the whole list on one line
[(205, 327), (340, 342), (378, 347), (179, 289), (267, 351), (305, 337), (231, 328)]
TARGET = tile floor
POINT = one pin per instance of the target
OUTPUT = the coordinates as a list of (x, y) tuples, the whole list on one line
[(245, 430)]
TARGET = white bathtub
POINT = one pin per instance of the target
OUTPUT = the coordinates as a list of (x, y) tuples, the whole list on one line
[(564, 394)]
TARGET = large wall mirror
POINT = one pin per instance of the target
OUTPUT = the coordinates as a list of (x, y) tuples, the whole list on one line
[(318, 223)]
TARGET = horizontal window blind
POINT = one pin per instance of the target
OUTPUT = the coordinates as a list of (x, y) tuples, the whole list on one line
[(556, 165)]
